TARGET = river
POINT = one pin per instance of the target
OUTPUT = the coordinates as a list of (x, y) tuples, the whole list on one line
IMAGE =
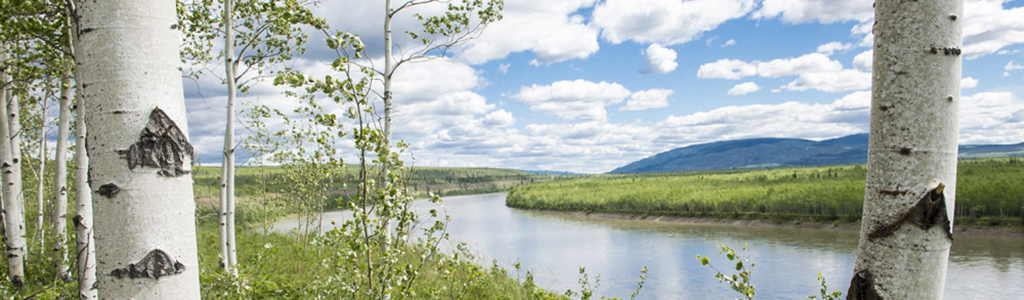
[(787, 260)]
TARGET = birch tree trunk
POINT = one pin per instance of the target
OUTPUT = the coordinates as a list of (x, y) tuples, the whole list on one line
[(389, 72), (227, 177), (60, 179), (86, 248), (140, 157), (909, 200), (41, 191), (14, 216)]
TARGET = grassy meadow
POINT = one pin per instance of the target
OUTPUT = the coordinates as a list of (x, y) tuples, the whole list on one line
[(990, 190)]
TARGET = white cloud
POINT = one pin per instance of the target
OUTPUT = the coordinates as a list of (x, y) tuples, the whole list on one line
[(815, 71), (577, 100), (864, 28), (832, 47), (744, 88), (991, 118), (844, 116), (643, 100), (499, 118), (428, 80), (1010, 66), (967, 83), (1008, 52), (726, 69), (668, 22), (711, 39), (845, 80), (808, 63), (659, 60), (729, 43), (988, 27), (503, 67), (550, 30), (863, 61), (823, 11)]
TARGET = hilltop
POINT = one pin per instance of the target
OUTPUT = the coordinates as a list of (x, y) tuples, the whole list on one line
[(781, 152)]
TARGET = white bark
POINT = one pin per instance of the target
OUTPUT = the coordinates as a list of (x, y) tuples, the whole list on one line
[(389, 70), (904, 242), (41, 192), (227, 177), (60, 179), (139, 156), (86, 248), (14, 216)]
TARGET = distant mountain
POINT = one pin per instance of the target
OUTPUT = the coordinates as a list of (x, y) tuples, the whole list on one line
[(539, 172), (778, 152)]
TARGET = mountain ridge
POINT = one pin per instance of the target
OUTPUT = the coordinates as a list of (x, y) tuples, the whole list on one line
[(782, 152)]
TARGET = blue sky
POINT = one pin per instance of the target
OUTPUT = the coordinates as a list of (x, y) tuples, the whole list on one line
[(588, 86)]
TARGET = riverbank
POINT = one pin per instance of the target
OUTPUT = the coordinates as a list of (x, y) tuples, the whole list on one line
[(989, 196), (784, 221)]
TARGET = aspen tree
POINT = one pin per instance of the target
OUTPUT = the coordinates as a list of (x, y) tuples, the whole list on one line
[(13, 208), (906, 230), (139, 154)]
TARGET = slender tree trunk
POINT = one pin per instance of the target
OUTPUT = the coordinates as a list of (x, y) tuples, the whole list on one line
[(389, 70), (14, 216), (139, 155), (60, 179), (911, 177), (227, 177), (41, 192), (86, 248)]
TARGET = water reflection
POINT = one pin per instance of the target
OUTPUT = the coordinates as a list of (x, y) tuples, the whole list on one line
[(787, 260)]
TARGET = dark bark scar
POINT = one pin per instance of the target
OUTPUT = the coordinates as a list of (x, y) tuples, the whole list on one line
[(862, 287), (161, 145), (929, 211), (156, 264), (108, 190)]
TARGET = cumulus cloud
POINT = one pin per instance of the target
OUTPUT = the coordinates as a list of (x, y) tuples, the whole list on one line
[(1010, 66), (991, 118), (863, 61), (668, 22), (967, 83), (729, 43), (503, 67), (577, 100), (988, 27), (839, 81), (815, 71), (659, 60), (809, 63), (832, 47), (744, 88), (726, 69), (499, 118), (643, 100), (550, 30), (844, 116), (823, 11)]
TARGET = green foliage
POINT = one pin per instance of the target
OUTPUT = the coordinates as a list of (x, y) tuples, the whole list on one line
[(739, 281), (985, 188), (825, 295)]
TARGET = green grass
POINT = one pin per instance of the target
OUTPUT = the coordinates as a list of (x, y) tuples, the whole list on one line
[(985, 188), (250, 181)]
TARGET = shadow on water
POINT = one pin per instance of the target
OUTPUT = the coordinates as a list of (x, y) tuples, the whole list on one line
[(787, 260)]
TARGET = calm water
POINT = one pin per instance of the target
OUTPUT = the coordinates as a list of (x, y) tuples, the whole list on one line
[(787, 260)]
